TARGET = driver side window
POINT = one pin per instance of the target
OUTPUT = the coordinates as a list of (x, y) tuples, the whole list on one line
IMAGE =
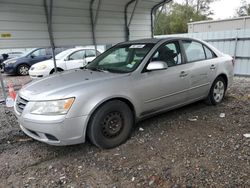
[(169, 53), (39, 52), (77, 55)]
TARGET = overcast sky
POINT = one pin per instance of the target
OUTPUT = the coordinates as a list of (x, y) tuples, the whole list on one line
[(223, 8)]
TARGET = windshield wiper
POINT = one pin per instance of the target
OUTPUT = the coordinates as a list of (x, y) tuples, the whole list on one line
[(102, 69), (99, 69), (116, 71)]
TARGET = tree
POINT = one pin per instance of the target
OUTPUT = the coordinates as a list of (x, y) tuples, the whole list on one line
[(201, 6), (176, 18), (244, 10)]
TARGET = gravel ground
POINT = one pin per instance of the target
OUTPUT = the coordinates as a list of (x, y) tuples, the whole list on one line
[(189, 147)]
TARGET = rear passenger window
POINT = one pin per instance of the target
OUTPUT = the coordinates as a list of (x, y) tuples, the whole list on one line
[(209, 54), (48, 51), (77, 55), (58, 50), (194, 51)]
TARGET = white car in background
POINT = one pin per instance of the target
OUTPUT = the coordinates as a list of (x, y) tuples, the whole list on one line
[(69, 59)]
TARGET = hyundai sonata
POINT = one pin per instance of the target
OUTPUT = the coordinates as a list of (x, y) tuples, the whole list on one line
[(130, 81)]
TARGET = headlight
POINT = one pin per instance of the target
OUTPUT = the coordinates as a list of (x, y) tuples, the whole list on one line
[(40, 67), (10, 62), (58, 107)]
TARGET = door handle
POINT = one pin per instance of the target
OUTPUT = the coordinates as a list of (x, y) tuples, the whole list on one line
[(183, 74), (212, 67)]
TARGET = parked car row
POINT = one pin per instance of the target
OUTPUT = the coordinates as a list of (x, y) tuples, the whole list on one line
[(38, 62), (66, 60), (21, 65)]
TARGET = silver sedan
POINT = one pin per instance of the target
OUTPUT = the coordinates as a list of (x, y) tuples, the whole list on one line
[(129, 82)]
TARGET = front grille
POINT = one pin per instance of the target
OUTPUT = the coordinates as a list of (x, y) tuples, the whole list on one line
[(20, 104)]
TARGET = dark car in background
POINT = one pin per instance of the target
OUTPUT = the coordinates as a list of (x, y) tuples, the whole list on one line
[(21, 65), (10, 55), (14, 54)]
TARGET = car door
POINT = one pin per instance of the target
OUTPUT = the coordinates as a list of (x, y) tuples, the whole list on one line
[(76, 60), (202, 68), (38, 56), (164, 89)]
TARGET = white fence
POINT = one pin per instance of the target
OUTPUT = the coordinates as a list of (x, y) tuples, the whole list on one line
[(235, 43)]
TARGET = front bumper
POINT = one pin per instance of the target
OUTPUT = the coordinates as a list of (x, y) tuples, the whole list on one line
[(9, 69), (69, 132), (53, 130), (36, 74)]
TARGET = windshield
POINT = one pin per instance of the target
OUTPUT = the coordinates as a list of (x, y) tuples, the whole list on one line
[(121, 59), (27, 53), (62, 54)]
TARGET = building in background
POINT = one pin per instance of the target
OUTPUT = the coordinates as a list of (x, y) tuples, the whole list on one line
[(241, 23)]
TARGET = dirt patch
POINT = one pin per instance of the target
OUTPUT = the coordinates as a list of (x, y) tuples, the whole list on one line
[(170, 150)]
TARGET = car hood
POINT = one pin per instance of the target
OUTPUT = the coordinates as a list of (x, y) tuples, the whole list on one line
[(62, 85), (16, 58), (46, 62)]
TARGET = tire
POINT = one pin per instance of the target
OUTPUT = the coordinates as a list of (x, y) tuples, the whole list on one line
[(217, 91), (58, 70), (23, 70), (110, 125)]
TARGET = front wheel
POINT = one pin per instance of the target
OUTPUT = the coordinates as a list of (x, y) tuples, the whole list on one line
[(58, 70), (110, 125), (23, 70), (217, 91)]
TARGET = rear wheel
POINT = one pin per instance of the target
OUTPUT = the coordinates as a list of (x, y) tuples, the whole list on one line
[(217, 91), (110, 125), (23, 70)]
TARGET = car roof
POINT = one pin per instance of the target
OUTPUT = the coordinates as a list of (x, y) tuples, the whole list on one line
[(76, 49), (149, 41), (72, 50), (156, 40)]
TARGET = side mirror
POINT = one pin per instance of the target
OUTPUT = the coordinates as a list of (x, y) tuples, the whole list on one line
[(32, 56), (157, 65)]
